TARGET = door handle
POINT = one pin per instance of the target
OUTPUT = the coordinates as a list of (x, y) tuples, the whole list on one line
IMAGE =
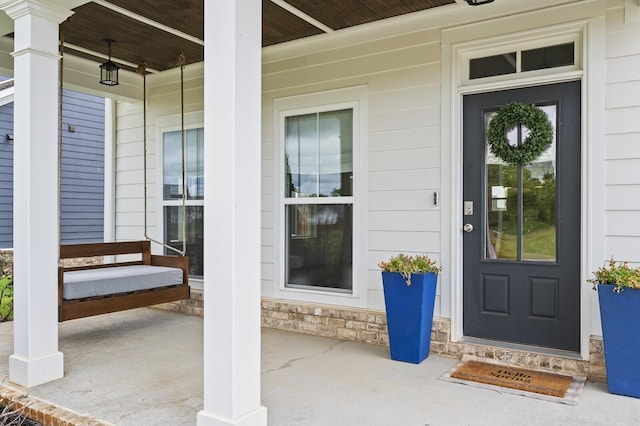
[(467, 227)]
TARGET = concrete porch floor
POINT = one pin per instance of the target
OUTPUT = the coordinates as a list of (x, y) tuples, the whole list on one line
[(144, 367)]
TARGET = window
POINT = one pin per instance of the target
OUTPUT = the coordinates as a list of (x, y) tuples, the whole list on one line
[(318, 200), (172, 189), (548, 57), (492, 65), (554, 56)]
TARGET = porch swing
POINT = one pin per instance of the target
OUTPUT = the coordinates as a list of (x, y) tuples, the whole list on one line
[(120, 285)]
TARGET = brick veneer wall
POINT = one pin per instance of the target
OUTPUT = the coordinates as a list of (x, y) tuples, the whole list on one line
[(371, 327), (6, 257)]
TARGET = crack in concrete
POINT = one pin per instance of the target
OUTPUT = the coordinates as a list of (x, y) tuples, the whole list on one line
[(292, 361)]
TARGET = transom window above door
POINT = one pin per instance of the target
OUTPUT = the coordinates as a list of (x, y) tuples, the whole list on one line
[(523, 60)]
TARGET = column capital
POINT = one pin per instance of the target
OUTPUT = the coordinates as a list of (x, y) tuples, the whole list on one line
[(45, 9)]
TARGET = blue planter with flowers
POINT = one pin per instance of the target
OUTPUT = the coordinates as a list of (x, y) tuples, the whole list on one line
[(620, 316)]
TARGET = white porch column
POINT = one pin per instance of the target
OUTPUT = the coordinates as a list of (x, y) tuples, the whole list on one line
[(36, 358), (232, 108)]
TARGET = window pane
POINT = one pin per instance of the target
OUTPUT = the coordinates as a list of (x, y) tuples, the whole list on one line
[(173, 220), (319, 154), (492, 65), (301, 156), (336, 153), (319, 246), (194, 164), (548, 57)]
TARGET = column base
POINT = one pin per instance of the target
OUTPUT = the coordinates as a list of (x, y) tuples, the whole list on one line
[(255, 418), (33, 372)]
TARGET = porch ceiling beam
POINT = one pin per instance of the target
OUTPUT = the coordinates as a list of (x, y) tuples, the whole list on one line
[(149, 22), (103, 56), (300, 14)]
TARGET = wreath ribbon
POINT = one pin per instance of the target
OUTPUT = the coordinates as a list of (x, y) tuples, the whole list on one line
[(507, 118)]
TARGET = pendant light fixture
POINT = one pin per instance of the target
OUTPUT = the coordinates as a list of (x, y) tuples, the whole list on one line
[(109, 70), (478, 2)]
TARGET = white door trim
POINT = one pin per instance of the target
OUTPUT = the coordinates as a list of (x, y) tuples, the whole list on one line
[(587, 22)]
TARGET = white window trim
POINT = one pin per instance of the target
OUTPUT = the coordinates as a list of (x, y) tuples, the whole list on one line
[(332, 100), (168, 123), (587, 21)]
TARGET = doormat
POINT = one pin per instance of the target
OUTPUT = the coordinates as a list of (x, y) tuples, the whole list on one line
[(517, 380)]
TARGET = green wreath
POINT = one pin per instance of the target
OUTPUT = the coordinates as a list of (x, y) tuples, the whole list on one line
[(508, 117)]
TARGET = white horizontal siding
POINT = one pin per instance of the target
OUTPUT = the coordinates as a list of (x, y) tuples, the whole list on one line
[(624, 222), (402, 76), (410, 159), (412, 179), (623, 146), (622, 149), (403, 79), (618, 68), (624, 198), (405, 221), (413, 138), (413, 242), (622, 172), (163, 100), (401, 201)]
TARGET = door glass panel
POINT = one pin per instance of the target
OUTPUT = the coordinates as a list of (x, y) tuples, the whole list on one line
[(521, 202), (502, 209), (539, 201)]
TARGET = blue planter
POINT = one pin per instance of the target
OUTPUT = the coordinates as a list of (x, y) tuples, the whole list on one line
[(409, 314), (620, 316)]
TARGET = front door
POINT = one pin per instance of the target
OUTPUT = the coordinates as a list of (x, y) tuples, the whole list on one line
[(521, 273)]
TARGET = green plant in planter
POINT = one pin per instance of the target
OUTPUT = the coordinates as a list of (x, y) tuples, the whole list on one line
[(619, 274), (407, 265)]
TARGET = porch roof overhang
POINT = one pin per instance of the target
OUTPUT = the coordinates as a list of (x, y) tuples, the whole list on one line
[(155, 32)]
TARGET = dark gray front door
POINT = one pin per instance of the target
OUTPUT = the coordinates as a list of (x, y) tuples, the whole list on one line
[(521, 268)]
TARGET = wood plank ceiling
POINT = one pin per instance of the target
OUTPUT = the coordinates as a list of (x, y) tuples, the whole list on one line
[(156, 31)]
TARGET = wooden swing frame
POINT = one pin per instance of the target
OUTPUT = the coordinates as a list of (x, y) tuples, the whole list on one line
[(118, 301), (79, 308)]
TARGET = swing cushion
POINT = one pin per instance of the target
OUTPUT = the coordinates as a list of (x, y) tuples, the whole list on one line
[(118, 279)]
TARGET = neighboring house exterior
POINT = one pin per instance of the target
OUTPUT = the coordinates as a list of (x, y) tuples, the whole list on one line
[(82, 178)]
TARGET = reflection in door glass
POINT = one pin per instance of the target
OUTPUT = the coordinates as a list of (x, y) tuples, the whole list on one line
[(521, 202)]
